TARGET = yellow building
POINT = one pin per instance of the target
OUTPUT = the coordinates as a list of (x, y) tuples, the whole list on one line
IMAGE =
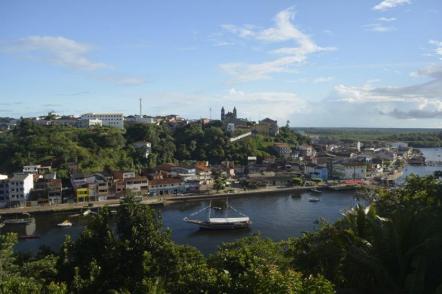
[(82, 194)]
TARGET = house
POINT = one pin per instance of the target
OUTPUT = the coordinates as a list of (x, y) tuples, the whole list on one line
[(36, 169), (123, 175), (306, 150), (4, 190), (166, 186), (19, 188), (349, 170), (136, 119), (138, 185), (282, 149), (316, 171), (47, 191), (267, 127), (89, 122), (55, 191), (114, 120), (144, 147)]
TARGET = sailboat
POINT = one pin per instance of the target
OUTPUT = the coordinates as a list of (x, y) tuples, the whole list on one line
[(220, 223)]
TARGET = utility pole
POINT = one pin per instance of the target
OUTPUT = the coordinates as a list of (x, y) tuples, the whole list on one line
[(210, 113), (141, 107)]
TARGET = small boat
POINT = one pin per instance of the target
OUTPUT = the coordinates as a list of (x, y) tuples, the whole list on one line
[(314, 199), (87, 212), (29, 237), (315, 191), (65, 223), (19, 221), (220, 223)]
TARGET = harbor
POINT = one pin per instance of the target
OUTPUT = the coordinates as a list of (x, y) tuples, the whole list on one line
[(276, 216)]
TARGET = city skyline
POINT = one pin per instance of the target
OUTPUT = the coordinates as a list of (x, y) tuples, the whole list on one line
[(340, 63)]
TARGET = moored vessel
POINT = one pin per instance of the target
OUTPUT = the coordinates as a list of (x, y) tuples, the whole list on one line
[(220, 223), (65, 223)]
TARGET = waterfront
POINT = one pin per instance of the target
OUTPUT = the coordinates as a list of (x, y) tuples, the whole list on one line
[(431, 154), (277, 216)]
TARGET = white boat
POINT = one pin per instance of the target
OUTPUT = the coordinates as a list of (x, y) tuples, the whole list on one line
[(220, 223), (314, 199), (87, 212), (65, 223)]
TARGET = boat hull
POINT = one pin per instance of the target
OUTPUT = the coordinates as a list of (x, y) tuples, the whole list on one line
[(229, 226), (17, 221)]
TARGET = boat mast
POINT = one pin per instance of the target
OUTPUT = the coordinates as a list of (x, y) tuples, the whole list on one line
[(227, 207)]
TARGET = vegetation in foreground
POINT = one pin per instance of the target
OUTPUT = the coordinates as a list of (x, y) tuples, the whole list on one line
[(392, 246)]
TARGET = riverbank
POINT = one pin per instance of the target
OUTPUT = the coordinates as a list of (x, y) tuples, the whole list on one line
[(164, 200)]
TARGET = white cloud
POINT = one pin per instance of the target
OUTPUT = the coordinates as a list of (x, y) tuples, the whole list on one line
[(283, 31), (418, 101), (389, 4), (438, 45), (258, 105), (379, 28), (387, 19), (57, 50)]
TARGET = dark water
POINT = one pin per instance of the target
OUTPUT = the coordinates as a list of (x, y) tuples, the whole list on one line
[(275, 216)]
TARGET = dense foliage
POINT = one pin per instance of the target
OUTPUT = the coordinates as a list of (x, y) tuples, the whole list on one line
[(98, 149), (134, 254), (392, 246), (414, 137), (90, 149)]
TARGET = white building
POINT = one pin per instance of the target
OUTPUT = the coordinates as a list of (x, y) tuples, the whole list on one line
[(351, 170), (4, 190), (19, 188), (31, 169), (145, 147), (87, 122), (136, 119), (230, 128), (139, 185), (115, 120)]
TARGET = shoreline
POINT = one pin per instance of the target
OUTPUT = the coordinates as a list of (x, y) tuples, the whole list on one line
[(164, 200)]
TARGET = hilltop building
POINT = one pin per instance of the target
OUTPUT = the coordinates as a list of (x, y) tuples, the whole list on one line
[(115, 120), (267, 127)]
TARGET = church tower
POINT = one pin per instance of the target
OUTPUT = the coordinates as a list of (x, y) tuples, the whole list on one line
[(234, 113), (223, 113)]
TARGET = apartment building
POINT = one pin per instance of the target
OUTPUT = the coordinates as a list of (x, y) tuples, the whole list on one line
[(114, 120)]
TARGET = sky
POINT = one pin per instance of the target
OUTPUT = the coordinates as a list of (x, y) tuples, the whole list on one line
[(328, 63)]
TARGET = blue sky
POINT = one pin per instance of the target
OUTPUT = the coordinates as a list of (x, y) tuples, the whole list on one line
[(370, 63)]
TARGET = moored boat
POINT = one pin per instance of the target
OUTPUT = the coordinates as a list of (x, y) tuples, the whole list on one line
[(220, 223), (314, 199), (65, 223), (315, 191)]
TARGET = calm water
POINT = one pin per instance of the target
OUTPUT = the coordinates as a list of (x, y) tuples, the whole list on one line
[(275, 216), (431, 154)]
